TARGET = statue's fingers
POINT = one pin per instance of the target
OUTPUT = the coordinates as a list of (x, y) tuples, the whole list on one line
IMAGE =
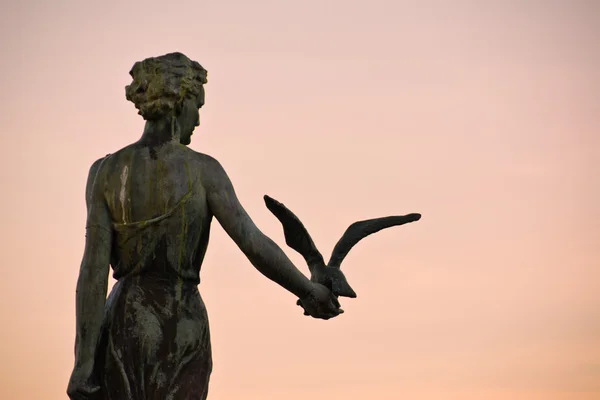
[(333, 314), (334, 307), (299, 303)]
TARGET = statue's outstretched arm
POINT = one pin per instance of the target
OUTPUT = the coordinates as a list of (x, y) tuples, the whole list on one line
[(92, 284), (266, 256)]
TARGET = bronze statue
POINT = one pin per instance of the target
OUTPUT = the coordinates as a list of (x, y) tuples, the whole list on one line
[(150, 206)]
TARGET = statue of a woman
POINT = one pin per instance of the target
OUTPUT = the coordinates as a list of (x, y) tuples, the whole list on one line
[(150, 206)]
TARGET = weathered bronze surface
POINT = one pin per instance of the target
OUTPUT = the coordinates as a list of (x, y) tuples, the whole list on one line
[(150, 207)]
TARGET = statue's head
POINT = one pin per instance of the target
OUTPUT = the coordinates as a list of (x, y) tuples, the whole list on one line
[(169, 87)]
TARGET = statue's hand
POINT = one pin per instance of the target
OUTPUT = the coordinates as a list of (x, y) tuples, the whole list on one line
[(80, 384), (320, 303)]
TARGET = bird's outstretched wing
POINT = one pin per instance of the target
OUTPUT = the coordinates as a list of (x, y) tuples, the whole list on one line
[(362, 229), (296, 235)]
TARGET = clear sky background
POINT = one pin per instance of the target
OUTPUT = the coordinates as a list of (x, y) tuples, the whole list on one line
[(484, 116)]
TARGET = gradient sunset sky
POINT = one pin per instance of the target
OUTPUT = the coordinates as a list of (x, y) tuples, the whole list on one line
[(484, 116)]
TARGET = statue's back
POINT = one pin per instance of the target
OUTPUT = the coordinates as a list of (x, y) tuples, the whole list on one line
[(156, 327), (159, 210)]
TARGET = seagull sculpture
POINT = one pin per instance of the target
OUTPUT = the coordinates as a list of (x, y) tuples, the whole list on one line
[(330, 275)]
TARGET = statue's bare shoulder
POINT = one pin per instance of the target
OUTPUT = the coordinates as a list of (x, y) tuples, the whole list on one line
[(212, 173), (92, 176)]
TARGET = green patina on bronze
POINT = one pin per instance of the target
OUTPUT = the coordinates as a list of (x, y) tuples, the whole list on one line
[(150, 207)]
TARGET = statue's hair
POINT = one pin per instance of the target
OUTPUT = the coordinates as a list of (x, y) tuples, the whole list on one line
[(161, 84)]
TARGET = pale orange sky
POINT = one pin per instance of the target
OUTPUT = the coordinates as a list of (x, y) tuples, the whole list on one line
[(483, 117)]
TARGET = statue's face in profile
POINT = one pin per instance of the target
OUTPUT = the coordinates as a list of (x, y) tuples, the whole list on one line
[(190, 117)]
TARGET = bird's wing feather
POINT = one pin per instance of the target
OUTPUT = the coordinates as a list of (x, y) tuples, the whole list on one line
[(362, 229), (296, 235)]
